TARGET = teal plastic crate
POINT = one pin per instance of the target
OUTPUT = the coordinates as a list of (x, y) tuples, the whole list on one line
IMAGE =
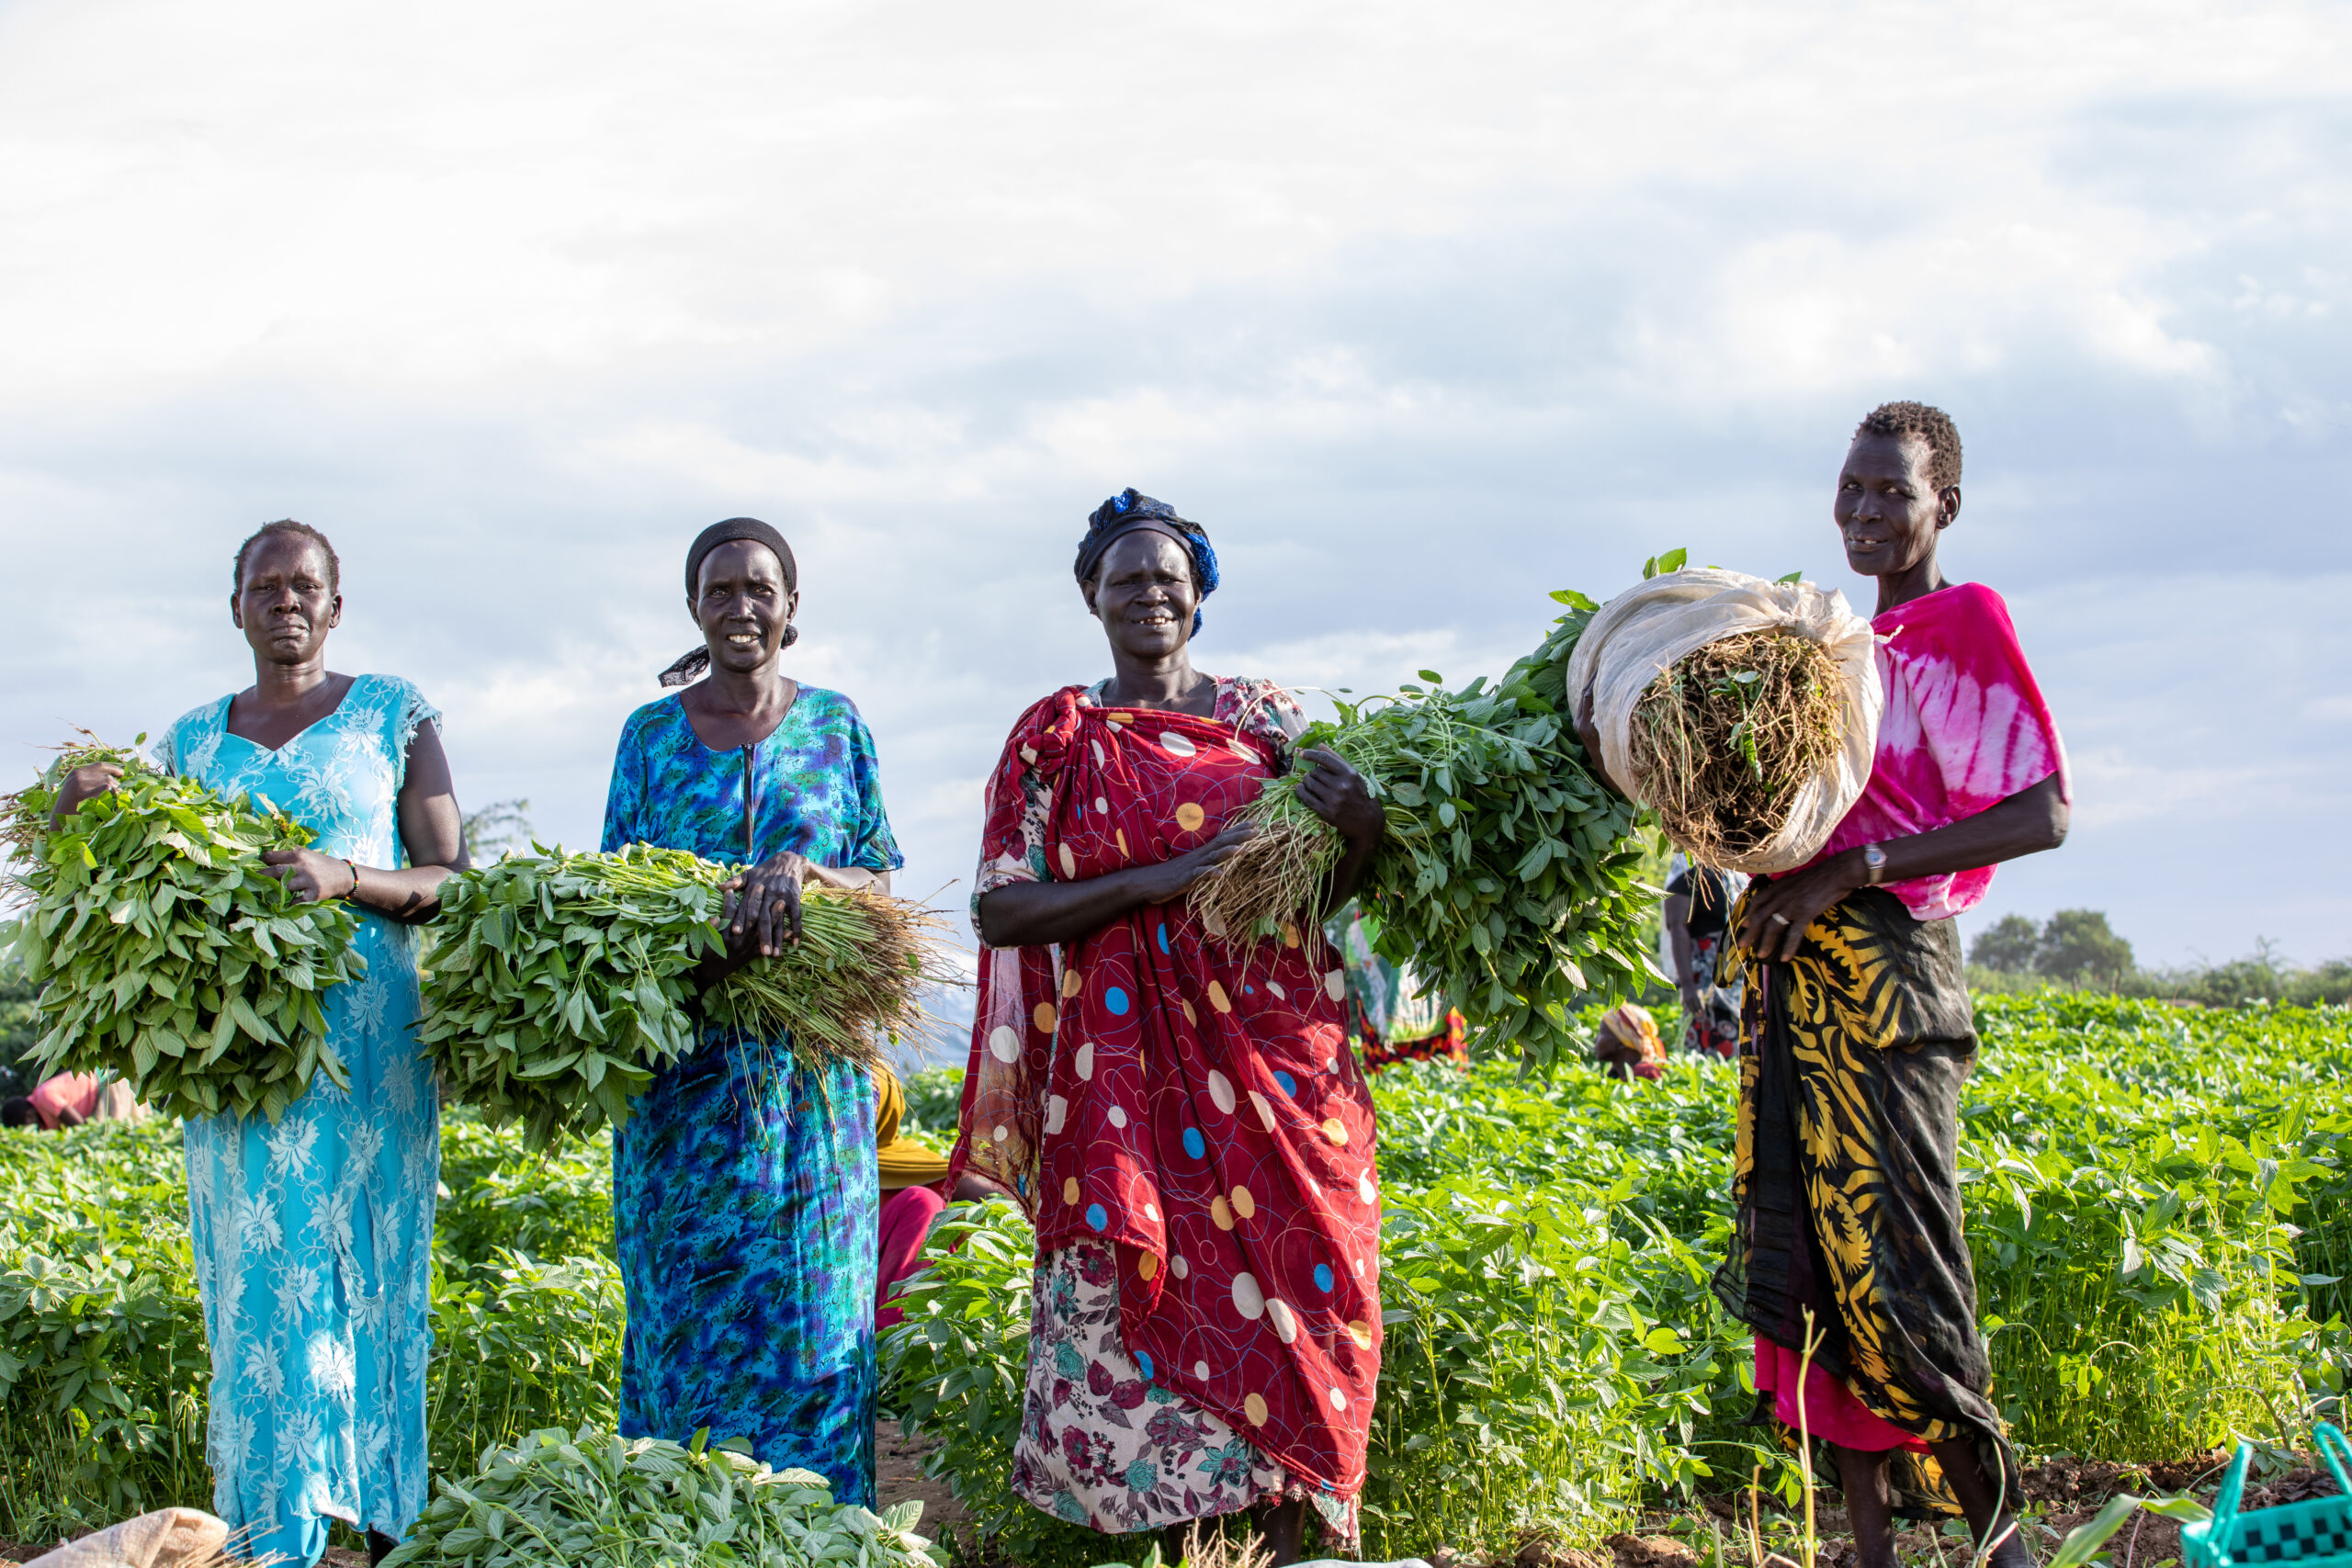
[(2317, 1534)]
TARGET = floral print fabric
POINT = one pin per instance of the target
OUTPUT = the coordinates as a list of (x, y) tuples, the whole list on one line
[(1964, 728), (313, 1240), (1103, 1446), (744, 1184), (1190, 1101)]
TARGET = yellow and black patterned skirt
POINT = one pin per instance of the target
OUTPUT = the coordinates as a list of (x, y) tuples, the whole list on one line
[(1847, 1183)]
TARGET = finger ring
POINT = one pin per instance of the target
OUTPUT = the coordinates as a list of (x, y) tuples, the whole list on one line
[(1778, 919)]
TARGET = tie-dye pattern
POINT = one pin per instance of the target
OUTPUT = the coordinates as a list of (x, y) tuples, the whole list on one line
[(744, 1187), (1964, 728)]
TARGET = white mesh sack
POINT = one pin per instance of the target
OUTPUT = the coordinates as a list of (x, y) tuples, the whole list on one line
[(1638, 636), (169, 1538)]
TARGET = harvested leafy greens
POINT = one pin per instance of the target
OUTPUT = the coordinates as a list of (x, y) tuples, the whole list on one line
[(168, 956), (560, 983), (593, 1500), (1510, 877)]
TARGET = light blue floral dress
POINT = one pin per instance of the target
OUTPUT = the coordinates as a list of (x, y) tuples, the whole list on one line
[(313, 1238)]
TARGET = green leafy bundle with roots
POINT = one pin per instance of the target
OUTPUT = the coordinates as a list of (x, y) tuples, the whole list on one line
[(1510, 878), (168, 956), (590, 1499), (1721, 742), (560, 983)]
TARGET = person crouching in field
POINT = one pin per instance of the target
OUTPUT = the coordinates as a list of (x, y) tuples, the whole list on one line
[(1858, 1033)]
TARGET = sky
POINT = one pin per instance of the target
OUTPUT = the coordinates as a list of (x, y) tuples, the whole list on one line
[(1424, 310)]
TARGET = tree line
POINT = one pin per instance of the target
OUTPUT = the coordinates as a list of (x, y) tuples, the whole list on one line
[(2078, 950)]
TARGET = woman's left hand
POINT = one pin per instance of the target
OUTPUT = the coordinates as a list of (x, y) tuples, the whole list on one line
[(763, 905), (313, 878), (1336, 793), (1780, 910)]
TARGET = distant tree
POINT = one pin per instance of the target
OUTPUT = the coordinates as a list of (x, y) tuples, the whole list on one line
[(501, 826), (2076, 945), (2009, 946)]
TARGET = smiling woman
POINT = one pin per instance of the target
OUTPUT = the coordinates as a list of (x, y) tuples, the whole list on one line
[(744, 1183), (1182, 1116), (313, 1238)]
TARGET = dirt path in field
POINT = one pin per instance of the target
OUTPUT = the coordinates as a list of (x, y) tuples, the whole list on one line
[(2067, 1493), (898, 1476)]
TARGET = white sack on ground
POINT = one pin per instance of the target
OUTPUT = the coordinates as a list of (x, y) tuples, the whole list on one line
[(1638, 636), (168, 1538)]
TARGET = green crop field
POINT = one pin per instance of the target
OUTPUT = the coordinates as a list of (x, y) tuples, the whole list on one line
[(2160, 1200)]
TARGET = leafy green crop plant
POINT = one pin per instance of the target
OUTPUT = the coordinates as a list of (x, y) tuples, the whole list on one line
[(1509, 877), (560, 983), (169, 956), (589, 1499)]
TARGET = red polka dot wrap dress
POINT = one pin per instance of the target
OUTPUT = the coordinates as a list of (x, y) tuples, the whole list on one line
[(1189, 1104)]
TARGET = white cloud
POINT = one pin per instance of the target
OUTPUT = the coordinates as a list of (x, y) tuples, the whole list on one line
[(1427, 313)]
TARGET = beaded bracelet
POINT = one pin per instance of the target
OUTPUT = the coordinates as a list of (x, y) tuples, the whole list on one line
[(353, 891)]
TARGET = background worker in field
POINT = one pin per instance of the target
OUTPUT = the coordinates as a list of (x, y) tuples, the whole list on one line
[(1699, 901), (1858, 1029)]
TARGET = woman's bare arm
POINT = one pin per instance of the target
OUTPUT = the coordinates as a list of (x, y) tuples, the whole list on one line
[(1036, 914), (2027, 822)]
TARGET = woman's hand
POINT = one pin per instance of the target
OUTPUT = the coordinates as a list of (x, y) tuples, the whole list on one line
[(763, 905), (1337, 792), (1171, 879), (1034, 914), (1780, 910), (312, 877), (83, 785)]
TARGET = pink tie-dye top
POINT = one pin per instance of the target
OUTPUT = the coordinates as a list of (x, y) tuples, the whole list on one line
[(1964, 728)]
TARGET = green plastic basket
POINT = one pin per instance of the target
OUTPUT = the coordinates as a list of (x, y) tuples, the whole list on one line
[(2317, 1534)]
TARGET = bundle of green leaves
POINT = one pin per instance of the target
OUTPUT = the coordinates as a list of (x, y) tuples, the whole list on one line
[(1509, 877), (169, 955), (560, 983), (593, 1500)]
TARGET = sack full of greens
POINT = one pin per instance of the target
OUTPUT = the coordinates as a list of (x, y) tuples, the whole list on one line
[(1510, 878), (1742, 712), (593, 1500), (167, 955), (560, 983)]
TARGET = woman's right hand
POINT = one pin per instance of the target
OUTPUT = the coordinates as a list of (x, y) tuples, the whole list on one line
[(1171, 879), (83, 785), (1034, 914)]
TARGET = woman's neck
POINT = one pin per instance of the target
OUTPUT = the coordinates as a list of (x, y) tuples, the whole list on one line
[(1170, 683), (1917, 580), (731, 709), (278, 685)]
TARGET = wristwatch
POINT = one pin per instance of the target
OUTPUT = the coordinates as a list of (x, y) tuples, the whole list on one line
[(1873, 863)]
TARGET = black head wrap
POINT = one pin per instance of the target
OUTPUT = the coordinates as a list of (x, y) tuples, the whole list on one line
[(1130, 512), (696, 662)]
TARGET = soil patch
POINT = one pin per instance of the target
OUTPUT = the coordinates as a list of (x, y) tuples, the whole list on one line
[(898, 1478)]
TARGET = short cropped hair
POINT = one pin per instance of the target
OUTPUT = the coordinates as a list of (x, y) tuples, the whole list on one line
[(1929, 424), (288, 526)]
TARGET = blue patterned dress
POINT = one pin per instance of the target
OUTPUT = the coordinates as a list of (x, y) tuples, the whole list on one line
[(313, 1240), (744, 1188)]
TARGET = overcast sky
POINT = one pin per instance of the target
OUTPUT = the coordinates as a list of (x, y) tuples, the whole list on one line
[(1424, 309)]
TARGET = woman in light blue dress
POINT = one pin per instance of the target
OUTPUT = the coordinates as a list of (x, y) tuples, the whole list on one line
[(313, 1238)]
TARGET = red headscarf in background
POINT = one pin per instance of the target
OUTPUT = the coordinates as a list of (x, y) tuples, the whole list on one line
[(1202, 1112)]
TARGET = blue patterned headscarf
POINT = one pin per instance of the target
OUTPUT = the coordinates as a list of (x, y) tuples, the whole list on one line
[(1129, 512)]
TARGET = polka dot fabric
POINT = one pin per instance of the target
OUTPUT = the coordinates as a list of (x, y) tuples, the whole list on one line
[(1190, 1103)]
